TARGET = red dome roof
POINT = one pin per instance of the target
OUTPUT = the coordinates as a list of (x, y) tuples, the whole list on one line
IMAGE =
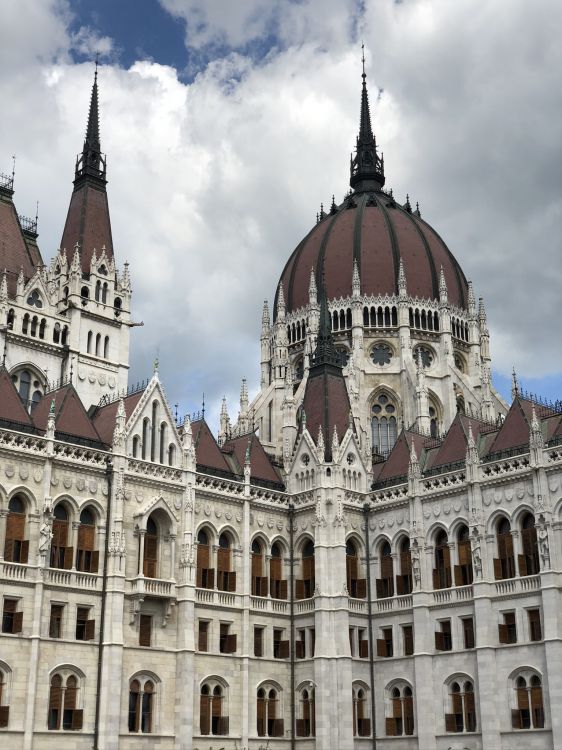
[(377, 232)]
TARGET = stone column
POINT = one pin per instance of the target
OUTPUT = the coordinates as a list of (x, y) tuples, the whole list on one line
[(142, 533), (3, 515)]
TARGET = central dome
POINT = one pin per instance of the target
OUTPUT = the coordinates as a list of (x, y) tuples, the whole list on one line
[(374, 230)]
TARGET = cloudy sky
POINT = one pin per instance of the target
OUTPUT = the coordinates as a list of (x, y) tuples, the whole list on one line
[(227, 123)]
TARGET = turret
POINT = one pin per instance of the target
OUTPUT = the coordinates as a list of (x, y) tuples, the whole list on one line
[(265, 342)]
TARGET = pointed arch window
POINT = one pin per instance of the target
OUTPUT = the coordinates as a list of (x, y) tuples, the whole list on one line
[(401, 705), (63, 712), (61, 555), (462, 716), (385, 584), (150, 555), (529, 560), (259, 581), (356, 587), (106, 347), (226, 577), (384, 426), (529, 709), (361, 722), (212, 718), (404, 580), (306, 725), (504, 563), (304, 587), (141, 705), (4, 704), (87, 557), (205, 573), (277, 584), (463, 571), (269, 723), (442, 570), (16, 546)]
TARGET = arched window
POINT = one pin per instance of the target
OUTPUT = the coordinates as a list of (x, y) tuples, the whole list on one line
[(24, 385), (33, 329), (442, 570), (98, 291), (171, 454), (268, 712), (150, 557), (361, 722), (106, 347), (212, 718), (89, 343), (462, 716), (463, 571), (305, 585), (42, 327), (145, 436), (385, 584), (401, 709), (259, 581), (136, 441), (529, 710), (4, 704), (226, 577), (356, 587), (277, 585), (63, 712), (16, 546), (84, 293), (11, 318), (306, 725), (61, 555), (104, 293), (98, 344), (117, 305), (205, 574), (64, 337), (383, 425), (504, 563), (141, 705), (87, 557), (163, 429), (529, 560), (154, 431), (404, 580)]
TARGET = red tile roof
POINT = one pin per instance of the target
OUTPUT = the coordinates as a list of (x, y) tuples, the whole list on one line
[(398, 461), (70, 415), (88, 224), (11, 406), (326, 404), (260, 465), (207, 451), (104, 416), (453, 447), (15, 253)]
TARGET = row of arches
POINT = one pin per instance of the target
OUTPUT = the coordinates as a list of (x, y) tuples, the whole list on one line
[(154, 444), (296, 331), (424, 320), (380, 317), (36, 327), (97, 345), (459, 329), (341, 320)]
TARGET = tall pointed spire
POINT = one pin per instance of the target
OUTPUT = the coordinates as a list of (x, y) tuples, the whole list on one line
[(325, 353), (367, 167), (91, 162)]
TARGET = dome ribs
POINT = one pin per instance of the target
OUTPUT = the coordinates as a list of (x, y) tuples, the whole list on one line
[(377, 268), (337, 255), (322, 255), (357, 231), (429, 254), (460, 299), (394, 245)]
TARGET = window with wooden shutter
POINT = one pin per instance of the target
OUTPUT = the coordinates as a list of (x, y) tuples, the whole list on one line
[(469, 710), (222, 726), (146, 707), (442, 570), (58, 557), (408, 637), (4, 716), (506, 567), (259, 582), (312, 640), (55, 621), (278, 728), (230, 644), (299, 589), (405, 577), (134, 706), (11, 619), (531, 565), (85, 547), (55, 703), (300, 728), (224, 563), (463, 571), (90, 630), (15, 547), (300, 648), (145, 630), (363, 727), (84, 630), (390, 727), (408, 709), (450, 723), (439, 641), (261, 721), (445, 640), (69, 702), (205, 712), (385, 584), (203, 635), (258, 641), (535, 630), (537, 708), (363, 648), (150, 559), (468, 632)]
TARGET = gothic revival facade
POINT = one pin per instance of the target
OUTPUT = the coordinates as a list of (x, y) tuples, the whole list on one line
[(370, 556)]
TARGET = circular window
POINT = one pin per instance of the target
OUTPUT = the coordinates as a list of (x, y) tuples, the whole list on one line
[(305, 459), (459, 362), (425, 354), (381, 354), (350, 458)]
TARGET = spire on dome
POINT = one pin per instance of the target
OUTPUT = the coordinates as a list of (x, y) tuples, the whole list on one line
[(367, 167), (326, 353)]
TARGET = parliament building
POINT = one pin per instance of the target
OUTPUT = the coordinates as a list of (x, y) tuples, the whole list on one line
[(368, 556)]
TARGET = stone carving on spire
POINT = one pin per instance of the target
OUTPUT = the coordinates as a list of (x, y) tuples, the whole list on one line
[(119, 430), (312, 289), (471, 301), (514, 385), (536, 440), (367, 168), (472, 456), (356, 281), (443, 293), (402, 290), (91, 162), (224, 432), (281, 303)]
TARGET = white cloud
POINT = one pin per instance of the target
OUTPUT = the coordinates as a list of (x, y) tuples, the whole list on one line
[(213, 183), (86, 41)]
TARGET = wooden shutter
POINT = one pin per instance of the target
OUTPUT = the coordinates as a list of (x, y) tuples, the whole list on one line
[(89, 630), (261, 717), (9, 550), (231, 581), (440, 641), (205, 714), (516, 721), (68, 558), (503, 633), (202, 555), (457, 703), (351, 565), (17, 622), (435, 576), (381, 647), (361, 585), (299, 589), (400, 587), (77, 719), (465, 554), (275, 568), (468, 627), (380, 588), (278, 728), (145, 628), (364, 649), (24, 551), (257, 565), (229, 644), (4, 716), (447, 565), (498, 569), (458, 575), (223, 560), (202, 639), (15, 526), (60, 532), (283, 589), (299, 649), (263, 585), (86, 535), (386, 566), (364, 727), (390, 728), (283, 649), (535, 625), (408, 640), (308, 567), (522, 563), (408, 715), (470, 712), (222, 725), (450, 723), (258, 643), (300, 728), (94, 566)]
